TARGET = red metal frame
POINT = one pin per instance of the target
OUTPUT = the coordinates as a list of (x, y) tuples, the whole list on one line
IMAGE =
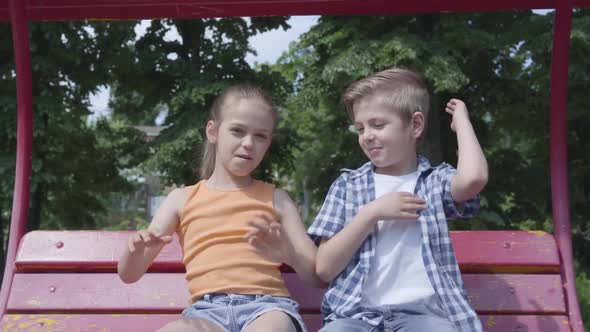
[(52, 10), (559, 177), (22, 183), (19, 12)]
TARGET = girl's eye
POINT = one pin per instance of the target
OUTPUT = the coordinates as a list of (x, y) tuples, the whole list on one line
[(379, 125), (236, 130), (262, 136), (359, 130)]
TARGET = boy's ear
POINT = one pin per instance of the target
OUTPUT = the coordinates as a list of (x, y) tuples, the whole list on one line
[(211, 132), (417, 124)]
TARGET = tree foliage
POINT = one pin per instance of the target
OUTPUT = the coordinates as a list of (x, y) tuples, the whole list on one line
[(75, 163), (181, 77)]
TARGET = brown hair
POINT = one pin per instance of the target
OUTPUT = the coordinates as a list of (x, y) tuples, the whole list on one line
[(402, 89), (239, 91)]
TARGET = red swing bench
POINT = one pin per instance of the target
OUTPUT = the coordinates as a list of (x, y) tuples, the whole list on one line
[(66, 280)]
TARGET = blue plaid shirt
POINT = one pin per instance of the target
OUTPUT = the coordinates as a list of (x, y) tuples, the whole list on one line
[(354, 189)]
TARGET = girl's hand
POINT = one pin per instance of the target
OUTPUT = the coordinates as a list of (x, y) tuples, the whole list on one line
[(146, 238), (268, 237), (458, 110)]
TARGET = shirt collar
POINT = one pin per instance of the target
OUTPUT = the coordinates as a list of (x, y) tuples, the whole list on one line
[(369, 167)]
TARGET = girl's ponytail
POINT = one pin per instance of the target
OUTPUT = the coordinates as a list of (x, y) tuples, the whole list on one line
[(208, 160)]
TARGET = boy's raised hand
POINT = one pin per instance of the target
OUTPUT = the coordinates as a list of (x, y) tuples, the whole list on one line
[(458, 110), (268, 237), (146, 238), (397, 205)]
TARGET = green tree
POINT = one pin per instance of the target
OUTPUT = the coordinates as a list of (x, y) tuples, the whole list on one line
[(72, 168), (181, 77), (462, 55), (7, 133)]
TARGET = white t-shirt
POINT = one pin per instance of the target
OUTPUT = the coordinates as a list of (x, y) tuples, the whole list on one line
[(397, 274)]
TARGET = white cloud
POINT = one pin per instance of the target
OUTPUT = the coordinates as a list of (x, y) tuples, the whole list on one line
[(99, 103), (543, 11)]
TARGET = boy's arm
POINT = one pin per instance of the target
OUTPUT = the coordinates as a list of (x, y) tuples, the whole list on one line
[(472, 167), (335, 253), (339, 240), (143, 246)]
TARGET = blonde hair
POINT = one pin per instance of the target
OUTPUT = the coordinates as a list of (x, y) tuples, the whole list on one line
[(239, 91), (401, 89)]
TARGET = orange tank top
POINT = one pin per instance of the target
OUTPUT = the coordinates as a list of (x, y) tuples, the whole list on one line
[(217, 257)]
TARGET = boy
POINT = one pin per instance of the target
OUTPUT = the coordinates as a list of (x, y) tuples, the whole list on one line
[(384, 240)]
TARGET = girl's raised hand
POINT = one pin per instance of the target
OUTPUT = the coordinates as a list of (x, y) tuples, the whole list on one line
[(268, 237), (146, 238)]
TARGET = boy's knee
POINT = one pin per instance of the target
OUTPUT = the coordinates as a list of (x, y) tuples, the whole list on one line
[(272, 321), (347, 324), (421, 323)]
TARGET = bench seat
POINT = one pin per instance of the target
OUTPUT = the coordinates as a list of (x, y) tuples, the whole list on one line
[(67, 281)]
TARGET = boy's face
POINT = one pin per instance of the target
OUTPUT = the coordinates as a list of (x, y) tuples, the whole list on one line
[(385, 138)]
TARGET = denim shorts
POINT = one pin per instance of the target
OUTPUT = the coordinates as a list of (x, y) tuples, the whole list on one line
[(417, 317), (233, 312)]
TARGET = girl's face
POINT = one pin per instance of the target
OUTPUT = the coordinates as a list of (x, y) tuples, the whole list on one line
[(242, 135)]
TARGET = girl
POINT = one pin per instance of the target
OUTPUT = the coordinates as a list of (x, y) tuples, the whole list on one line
[(234, 230)]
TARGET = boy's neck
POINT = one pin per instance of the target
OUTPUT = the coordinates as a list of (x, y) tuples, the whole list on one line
[(224, 180), (405, 166)]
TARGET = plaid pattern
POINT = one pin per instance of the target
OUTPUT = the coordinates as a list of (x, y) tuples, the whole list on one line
[(354, 189)]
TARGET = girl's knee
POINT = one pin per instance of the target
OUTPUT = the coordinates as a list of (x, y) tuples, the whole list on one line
[(190, 325)]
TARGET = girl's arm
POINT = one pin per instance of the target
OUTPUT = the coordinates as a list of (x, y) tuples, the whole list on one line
[(304, 252), (286, 242), (143, 246)]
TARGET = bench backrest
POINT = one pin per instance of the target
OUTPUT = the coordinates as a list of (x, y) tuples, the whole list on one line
[(67, 281)]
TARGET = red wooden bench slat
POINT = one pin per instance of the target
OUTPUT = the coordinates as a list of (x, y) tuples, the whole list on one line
[(85, 322), (104, 292), (477, 252), (525, 323), (101, 322), (150, 322), (167, 292), (85, 251), (506, 251), (515, 293)]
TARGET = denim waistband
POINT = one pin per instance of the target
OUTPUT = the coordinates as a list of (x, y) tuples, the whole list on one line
[(231, 299)]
